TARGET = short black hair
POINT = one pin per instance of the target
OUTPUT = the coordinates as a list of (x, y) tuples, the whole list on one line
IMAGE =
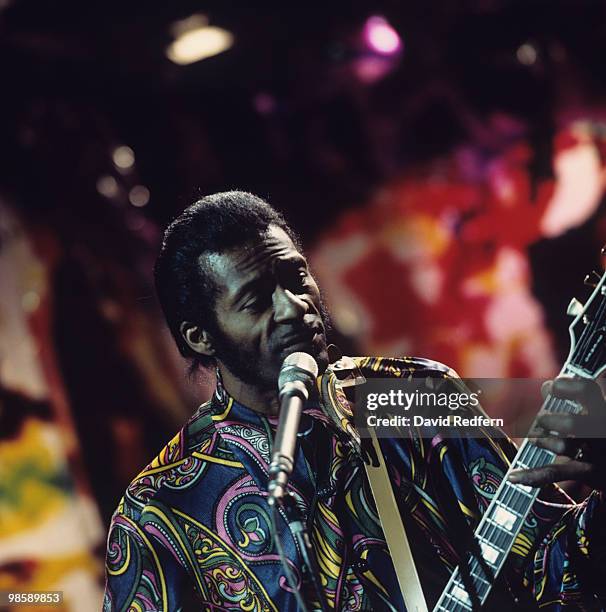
[(184, 283)]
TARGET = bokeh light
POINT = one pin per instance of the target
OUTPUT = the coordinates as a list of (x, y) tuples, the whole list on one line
[(195, 40), (123, 157), (108, 186), (381, 37), (139, 196)]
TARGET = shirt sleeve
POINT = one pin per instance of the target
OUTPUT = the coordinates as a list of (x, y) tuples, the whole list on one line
[(569, 564), (140, 572)]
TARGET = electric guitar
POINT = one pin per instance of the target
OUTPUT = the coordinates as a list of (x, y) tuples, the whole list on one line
[(507, 511)]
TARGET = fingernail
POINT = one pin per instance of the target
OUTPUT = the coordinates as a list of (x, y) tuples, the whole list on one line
[(514, 477)]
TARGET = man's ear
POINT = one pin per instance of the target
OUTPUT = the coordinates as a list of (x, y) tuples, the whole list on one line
[(198, 339)]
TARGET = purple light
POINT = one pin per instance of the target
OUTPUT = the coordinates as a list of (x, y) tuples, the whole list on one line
[(381, 37), (264, 103)]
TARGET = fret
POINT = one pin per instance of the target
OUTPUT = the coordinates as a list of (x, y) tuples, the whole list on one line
[(457, 600), (542, 456), (495, 535), (480, 578), (459, 592), (514, 498), (458, 595), (487, 542), (523, 489), (578, 371), (498, 538), (533, 456), (516, 502), (478, 588), (489, 552), (506, 506), (497, 528), (504, 517)]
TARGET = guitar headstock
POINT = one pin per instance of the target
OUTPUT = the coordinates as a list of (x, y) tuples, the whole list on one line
[(587, 355)]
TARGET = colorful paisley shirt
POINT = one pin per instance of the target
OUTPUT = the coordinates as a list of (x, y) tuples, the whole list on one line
[(192, 531)]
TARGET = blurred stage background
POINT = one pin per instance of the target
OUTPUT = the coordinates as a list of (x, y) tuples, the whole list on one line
[(443, 161)]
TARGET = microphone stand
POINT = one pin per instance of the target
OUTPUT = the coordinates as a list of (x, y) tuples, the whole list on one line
[(297, 376), (297, 526)]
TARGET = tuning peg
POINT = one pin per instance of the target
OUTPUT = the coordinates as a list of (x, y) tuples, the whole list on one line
[(592, 279), (575, 308), (603, 251)]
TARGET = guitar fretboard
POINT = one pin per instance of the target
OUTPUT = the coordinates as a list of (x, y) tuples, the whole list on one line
[(471, 582), (495, 535)]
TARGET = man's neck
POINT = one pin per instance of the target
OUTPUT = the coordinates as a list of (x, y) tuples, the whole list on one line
[(264, 401)]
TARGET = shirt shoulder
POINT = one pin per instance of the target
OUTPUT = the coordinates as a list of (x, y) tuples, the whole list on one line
[(400, 367), (172, 465)]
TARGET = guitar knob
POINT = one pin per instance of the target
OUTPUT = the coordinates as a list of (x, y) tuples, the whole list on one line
[(592, 279), (575, 308)]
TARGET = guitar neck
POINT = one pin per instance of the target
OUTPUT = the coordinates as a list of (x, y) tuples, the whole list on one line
[(469, 587)]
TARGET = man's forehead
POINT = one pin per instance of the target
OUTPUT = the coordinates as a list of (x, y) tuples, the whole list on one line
[(238, 263)]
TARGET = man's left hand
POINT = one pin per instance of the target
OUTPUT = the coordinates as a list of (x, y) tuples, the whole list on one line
[(579, 437)]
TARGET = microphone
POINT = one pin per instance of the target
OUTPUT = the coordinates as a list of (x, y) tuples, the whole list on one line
[(297, 376)]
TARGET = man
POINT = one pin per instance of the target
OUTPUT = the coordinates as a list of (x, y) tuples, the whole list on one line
[(238, 297)]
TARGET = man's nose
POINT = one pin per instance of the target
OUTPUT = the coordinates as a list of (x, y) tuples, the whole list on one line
[(288, 306)]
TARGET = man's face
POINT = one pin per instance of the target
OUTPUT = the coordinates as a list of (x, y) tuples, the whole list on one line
[(268, 306)]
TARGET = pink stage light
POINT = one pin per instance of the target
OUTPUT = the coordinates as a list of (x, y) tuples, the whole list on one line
[(381, 37)]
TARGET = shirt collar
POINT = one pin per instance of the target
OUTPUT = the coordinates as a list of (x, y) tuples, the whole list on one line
[(226, 407)]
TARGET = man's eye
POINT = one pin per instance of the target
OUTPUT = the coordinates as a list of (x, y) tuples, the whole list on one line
[(252, 306), (302, 276), (257, 304)]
